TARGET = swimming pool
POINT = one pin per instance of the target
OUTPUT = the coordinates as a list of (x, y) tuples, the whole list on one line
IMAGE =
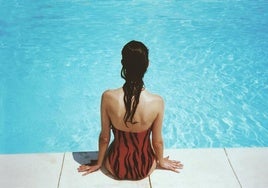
[(208, 60)]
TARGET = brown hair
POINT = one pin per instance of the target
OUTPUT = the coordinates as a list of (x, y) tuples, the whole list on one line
[(134, 65)]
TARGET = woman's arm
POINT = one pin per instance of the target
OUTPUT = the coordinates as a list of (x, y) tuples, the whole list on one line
[(157, 140), (158, 143), (104, 137)]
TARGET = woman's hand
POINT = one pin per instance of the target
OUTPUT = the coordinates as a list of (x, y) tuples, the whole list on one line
[(87, 169), (170, 164)]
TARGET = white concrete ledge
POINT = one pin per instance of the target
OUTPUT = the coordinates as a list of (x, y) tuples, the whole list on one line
[(202, 168), (30, 170), (250, 166), (231, 167)]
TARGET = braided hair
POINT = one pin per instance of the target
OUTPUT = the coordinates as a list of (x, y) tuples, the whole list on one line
[(134, 65)]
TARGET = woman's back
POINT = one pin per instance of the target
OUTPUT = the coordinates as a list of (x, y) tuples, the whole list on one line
[(146, 112), (131, 155)]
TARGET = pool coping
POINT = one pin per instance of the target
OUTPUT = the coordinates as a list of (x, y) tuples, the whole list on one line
[(208, 167)]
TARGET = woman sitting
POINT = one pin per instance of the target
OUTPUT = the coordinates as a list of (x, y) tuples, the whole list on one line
[(135, 117)]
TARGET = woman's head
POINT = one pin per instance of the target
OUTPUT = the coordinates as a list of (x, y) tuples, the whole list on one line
[(134, 61), (134, 65)]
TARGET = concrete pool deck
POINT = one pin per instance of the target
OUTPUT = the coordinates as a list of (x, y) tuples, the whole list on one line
[(219, 167)]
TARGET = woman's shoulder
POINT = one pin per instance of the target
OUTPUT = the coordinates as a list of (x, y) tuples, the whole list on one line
[(154, 97), (111, 93)]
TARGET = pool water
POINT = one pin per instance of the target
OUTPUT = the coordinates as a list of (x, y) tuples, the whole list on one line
[(208, 60)]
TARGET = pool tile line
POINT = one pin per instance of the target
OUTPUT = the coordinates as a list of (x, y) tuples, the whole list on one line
[(62, 164), (150, 183), (230, 163)]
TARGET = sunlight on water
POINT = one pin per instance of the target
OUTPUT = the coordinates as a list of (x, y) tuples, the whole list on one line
[(208, 60)]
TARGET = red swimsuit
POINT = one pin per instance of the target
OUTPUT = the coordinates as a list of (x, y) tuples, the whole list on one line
[(131, 155)]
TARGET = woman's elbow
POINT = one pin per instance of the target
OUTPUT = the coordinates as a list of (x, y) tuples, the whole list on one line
[(158, 144), (104, 139)]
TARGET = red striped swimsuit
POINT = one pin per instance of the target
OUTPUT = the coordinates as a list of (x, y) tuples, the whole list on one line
[(131, 155)]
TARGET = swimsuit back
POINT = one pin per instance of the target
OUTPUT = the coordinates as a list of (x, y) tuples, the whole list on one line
[(131, 155)]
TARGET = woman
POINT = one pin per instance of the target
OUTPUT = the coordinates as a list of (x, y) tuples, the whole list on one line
[(133, 114)]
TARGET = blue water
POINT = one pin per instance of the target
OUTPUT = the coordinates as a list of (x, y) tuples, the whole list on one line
[(208, 60)]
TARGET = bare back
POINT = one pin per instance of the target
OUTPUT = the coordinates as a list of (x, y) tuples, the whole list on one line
[(149, 108)]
